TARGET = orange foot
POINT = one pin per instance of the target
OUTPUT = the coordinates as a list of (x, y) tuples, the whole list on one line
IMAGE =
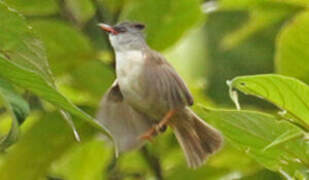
[(160, 127), (148, 134)]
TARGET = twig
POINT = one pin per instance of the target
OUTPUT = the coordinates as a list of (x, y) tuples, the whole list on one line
[(154, 163)]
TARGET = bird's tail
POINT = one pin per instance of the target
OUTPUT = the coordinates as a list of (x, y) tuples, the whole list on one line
[(197, 139)]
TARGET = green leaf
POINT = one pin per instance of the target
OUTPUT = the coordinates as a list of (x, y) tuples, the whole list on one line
[(40, 146), (240, 4), (288, 94), (263, 175), (292, 52), (113, 6), (252, 4), (251, 132), (81, 10), (259, 20), (39, 86), (66, 47), (34, 7), (304, 3), (19, 44), (84, 161), (23, 62), (96, 81), (174, 19), (19, 110)]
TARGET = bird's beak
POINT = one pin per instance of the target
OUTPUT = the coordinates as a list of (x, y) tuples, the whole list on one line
[(107, 28)]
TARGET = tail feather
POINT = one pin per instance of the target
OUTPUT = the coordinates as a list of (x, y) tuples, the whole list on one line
[(197, 139)]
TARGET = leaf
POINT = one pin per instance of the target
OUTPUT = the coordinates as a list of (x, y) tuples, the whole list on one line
[(254, 56), (40, 146), (65, 46), (39, 86), (240, 4), (287, 93), (92, 80), (292, 52), (259, 19), (19, 44), (23, 62), (84, 161), (287, 136), (251, 132), (81, 10), (304, 3), (34, 7), (264, 174), (19, 110), (253, 4), (164, 30)]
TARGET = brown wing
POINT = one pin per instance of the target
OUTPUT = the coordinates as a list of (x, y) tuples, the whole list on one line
[(124, 123), (165, 81)]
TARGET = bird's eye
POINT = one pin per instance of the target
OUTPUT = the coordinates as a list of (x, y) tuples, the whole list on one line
[(139, 26), (120, 29)]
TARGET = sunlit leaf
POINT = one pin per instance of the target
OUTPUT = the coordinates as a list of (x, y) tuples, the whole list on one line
[(19, 44), (254, 56), (293, 48), (252, 4), (288, 94), (18, 108), (81, 10), (84, 161), (304, 3), (95, 81), (259, 20), (66, 47), (34, 7), (164, 29), (251, 132), (263, 175), (39, 86), (23, 62), (42, 144)]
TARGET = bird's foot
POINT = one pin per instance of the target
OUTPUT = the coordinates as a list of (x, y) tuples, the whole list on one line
[(148, 134), (161, 127)]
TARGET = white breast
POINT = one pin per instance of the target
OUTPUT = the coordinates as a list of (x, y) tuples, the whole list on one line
[(129, 66), (129, 59)]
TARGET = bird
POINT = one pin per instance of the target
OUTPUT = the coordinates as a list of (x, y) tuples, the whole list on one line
[(147, 96)]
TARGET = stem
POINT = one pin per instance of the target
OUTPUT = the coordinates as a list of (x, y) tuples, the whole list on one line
[(154, 163)]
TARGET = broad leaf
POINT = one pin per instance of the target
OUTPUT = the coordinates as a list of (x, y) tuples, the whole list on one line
[(85, 161), (34, 7), (81, 10), (289, 94), (303, 3), (39, 86), (65, 46), (19, 44), (39, 147), (96, 81), (253, 4), (174, 19), (251, 132), (23, 62), (18, 108), (259, 19), (293, 48)]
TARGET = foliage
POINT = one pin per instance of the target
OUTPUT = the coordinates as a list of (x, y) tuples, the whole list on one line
[(56, 63)]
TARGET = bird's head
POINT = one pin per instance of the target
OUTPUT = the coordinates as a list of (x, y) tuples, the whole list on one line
[(125, 35)]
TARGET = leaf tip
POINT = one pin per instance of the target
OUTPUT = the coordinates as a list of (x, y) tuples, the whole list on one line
[(233, 94)]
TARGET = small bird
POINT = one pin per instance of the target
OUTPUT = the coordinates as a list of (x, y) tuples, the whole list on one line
[(147, 96)]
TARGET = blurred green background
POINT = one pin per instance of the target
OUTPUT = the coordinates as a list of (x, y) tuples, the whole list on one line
[(208, 42)]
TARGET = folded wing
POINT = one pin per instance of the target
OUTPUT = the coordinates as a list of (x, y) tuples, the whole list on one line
[(125, 123), (165, 82)]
